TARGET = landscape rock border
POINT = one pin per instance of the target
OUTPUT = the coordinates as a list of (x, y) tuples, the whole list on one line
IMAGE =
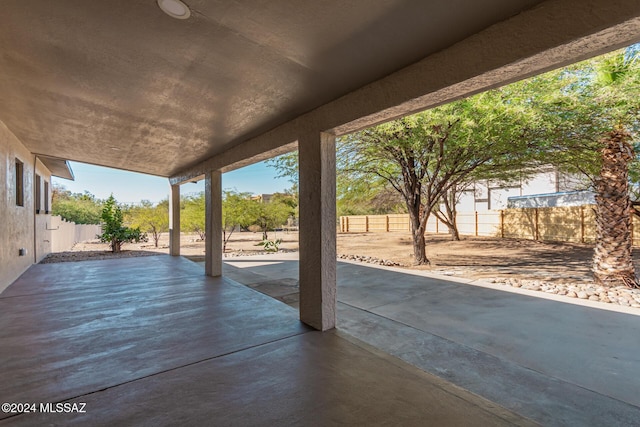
[(620, 295), (241, 253), (370, 260)]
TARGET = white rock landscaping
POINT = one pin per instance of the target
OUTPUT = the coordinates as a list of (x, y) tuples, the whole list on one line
[(620, 295)]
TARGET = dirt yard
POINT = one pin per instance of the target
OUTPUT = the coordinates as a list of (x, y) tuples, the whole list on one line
[(478, 257), (471, 257)]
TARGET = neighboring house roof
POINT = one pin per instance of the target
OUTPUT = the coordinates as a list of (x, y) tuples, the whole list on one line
[(567, 198)]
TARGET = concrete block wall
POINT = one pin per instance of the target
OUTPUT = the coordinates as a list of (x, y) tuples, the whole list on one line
[(66, 234), (84, 232), (62, 234)]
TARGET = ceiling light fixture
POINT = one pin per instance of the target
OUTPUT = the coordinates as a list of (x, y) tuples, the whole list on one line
[(175, 8)]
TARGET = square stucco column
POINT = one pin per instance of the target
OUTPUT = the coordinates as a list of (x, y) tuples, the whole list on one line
[(317, 169), (213, 224), (174, 220)]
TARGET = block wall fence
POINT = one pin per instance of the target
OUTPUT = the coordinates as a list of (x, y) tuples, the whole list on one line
[(66, 234)]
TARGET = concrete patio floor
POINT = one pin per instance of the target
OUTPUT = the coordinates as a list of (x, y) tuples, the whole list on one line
[(152, 341), (556, 363)]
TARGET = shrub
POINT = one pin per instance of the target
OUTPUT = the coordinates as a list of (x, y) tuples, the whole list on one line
[(113, 230)]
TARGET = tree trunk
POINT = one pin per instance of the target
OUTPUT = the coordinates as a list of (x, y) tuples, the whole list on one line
[(226, 237), (419, 248), (419, 243), (451, 226), (452, 213), (453, 231), (448, 218), (116, 246), (224, 240), (612, 261)]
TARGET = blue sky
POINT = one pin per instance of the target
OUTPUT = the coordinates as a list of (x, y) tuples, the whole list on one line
[(131, 187)]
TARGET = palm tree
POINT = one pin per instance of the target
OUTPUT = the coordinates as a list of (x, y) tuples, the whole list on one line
[(587, 114), (612, 260)]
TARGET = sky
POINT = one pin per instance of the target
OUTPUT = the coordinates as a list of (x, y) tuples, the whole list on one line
[(131, 187)]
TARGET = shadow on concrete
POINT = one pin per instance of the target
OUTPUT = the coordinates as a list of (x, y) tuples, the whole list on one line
[(556, 363)]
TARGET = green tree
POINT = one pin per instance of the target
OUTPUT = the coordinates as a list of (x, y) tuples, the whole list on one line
[(81, 208), (271, 215), (192, 215), (425, 155), (113, 230), (287, 166), (288, 198), (238, 211), (150, 219), (361, 194), (354, 196)]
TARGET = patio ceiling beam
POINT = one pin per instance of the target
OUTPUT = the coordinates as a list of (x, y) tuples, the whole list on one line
[(554, 34)]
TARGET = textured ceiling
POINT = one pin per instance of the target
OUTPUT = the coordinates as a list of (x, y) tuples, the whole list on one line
[(119, 83)]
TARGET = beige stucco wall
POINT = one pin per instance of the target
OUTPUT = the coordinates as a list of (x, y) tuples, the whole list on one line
[(18, 224), (43, 219)]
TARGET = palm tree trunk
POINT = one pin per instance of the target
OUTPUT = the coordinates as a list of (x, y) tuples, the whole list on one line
[(612, 261)]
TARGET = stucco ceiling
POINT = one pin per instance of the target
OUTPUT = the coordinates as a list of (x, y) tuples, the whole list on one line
[(118, 83)]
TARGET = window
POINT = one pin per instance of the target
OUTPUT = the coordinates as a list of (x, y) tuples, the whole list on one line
[(38, 194), (19, 183), (46, 197)]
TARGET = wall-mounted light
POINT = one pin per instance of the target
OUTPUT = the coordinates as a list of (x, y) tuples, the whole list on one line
[(175, 8)]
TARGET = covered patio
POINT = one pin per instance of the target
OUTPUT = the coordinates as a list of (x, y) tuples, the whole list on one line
[(151, 341), (121, 84)]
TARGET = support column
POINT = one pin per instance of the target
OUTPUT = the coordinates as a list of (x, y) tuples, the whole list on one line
[(317, 169), (213, 224), (174, 220)]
